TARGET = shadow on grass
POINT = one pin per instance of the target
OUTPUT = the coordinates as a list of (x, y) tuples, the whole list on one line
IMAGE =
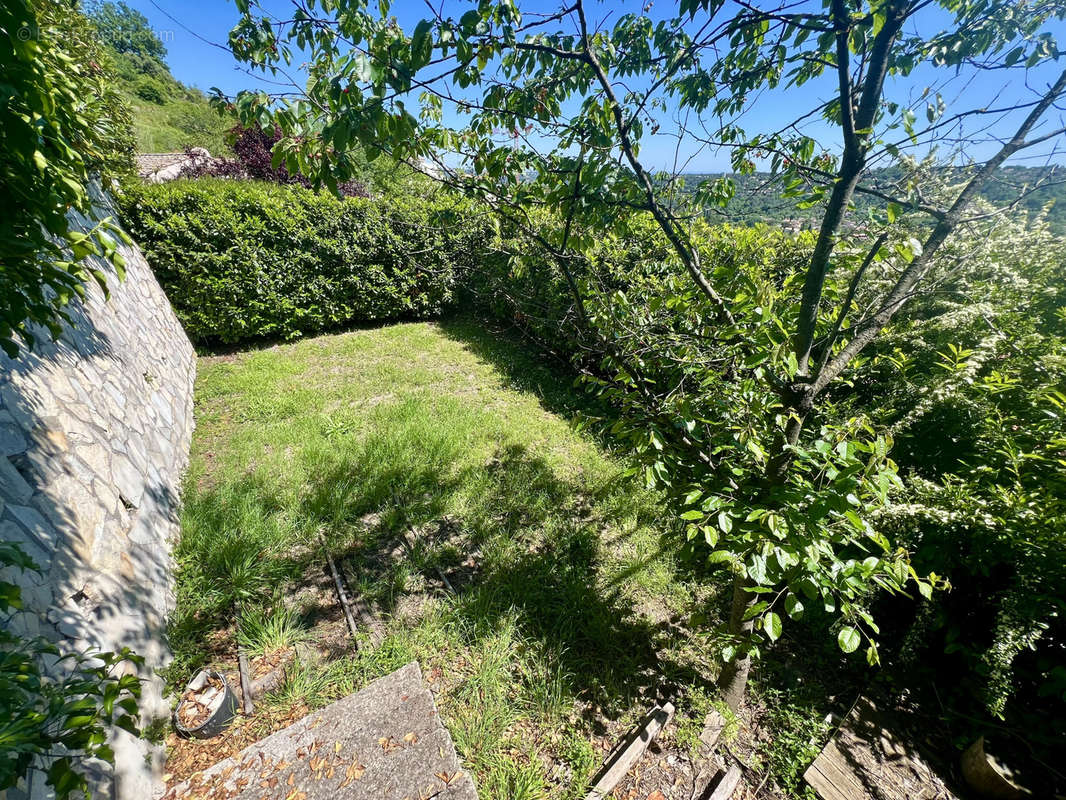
[(547, 377), (519, 552), (552, 381)]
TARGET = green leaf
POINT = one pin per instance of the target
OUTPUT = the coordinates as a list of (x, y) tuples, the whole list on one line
[(421, 44), (725, 522), (849, 639), (872, 658), (772, 625), (757, 569)]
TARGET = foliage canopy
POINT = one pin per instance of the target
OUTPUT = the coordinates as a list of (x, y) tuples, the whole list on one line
[(62, 124)]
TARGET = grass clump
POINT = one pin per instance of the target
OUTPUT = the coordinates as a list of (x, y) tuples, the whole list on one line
[(692, 712), (280, 628)]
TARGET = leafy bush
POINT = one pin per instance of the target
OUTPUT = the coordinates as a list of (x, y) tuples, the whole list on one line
[(253, 158), (62, 122), (150, 90), (532, 293), (241, 260), (975, 399)]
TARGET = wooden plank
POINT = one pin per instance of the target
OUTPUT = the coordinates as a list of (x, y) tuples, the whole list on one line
[(627, 756), (832, 781), (834, 763), (713, 725), (728, 785), (246, 685), (866, 758)]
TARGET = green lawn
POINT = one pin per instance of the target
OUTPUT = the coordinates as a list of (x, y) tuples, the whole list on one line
[(563, 620)]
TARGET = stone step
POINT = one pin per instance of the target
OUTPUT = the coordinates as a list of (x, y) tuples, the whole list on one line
[(385, 741)]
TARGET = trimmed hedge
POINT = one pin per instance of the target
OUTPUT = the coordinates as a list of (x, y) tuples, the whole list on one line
[(532, 294), (242, 260)]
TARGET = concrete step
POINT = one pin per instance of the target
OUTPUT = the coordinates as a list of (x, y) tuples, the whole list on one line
[(385, 742)]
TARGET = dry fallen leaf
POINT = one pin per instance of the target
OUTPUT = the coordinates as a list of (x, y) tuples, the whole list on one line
[(353, 773)]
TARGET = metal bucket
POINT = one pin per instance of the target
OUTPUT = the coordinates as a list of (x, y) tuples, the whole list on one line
[(223, 713)]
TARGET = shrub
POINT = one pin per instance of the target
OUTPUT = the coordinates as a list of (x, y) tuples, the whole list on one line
[(253, 158), (150, 90), (242, 259), (532, 293), (62, 123)]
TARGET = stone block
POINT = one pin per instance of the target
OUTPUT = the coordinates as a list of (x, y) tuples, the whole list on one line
[(108, 550), (115, 393), (12, 532), (127, 479), (11, 439), (162, 407), (18, 405), (37, 597), (38, 527), (60, 385), (13, 486), (73, 505), (96, 458), (69, 620), (50, 437), (385, 742), (144, 531)]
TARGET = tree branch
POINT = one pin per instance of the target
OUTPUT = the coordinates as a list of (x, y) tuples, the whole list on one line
[(688, 255), (853, 161), (868, 330)]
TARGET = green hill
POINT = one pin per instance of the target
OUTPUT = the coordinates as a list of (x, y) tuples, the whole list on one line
[(759, 197), (167, 115)]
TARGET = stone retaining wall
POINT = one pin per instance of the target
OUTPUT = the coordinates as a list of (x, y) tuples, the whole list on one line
[(94, 437)]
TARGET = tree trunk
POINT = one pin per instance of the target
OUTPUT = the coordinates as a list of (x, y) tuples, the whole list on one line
[(733, 682)]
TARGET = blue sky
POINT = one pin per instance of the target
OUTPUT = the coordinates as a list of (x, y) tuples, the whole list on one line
[(184, 25)]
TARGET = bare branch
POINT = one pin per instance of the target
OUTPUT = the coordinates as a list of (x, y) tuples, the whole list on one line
[(868, 330)]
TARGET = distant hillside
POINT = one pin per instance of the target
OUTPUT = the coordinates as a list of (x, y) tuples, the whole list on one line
[(759, 198), (167, 115)]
